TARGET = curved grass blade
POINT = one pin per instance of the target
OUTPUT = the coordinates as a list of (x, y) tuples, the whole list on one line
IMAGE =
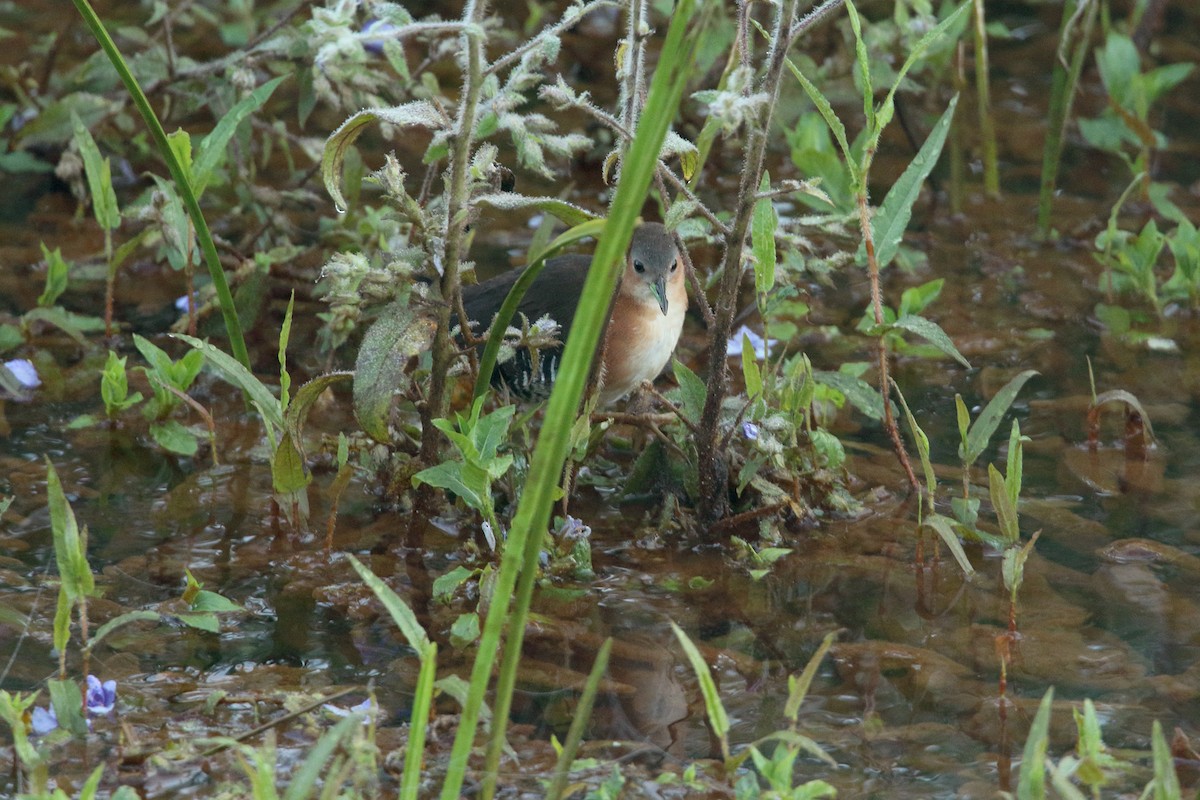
[(233, 326)]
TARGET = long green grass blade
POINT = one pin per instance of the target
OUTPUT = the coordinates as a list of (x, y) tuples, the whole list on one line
[(233, 327), (583, 712), (713, 707), (414, 756), (533, 514)]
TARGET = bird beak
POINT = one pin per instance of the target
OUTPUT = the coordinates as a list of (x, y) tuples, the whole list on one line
[(659, 290)]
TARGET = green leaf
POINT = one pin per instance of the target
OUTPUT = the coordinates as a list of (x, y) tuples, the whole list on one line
[(989, 419), (568, 213), (944, 528), (211, 151), (401, 614), (1031, 780), (931, 332), (288, 474), (211, 601), (306, 397), (173, 437), (1166, 781), (798, 685), (201, 621), (56, 276), (692, 390), (67, 701), (464, 630), (1006, 510), (445, 585), (891, 220), (717, 717), (70, 544), (397, 336), (831, 119), (922, 442), (762, 239), (99, 177)]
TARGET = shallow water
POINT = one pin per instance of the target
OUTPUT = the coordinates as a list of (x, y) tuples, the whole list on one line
[(908, 702)]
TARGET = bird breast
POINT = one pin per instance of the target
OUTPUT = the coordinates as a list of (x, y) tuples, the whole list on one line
[(640, 341)]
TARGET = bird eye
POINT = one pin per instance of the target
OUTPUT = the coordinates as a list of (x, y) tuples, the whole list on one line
[(639, 266), (674, 266)]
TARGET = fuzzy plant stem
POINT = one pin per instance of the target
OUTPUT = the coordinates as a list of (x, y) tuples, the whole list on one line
[(714, 492), (438, 401)]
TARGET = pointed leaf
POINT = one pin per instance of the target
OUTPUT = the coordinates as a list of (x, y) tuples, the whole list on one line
[(989, 419), (931, 332)]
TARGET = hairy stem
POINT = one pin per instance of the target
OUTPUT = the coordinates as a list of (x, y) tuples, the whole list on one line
[(714, 492), (438, 400)]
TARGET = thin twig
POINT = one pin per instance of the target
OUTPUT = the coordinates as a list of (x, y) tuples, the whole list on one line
[(266, 726)]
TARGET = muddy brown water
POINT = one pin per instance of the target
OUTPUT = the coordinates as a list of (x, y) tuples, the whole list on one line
[(907, 703)]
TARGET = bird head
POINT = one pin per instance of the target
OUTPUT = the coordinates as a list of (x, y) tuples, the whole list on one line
[(653, 262)]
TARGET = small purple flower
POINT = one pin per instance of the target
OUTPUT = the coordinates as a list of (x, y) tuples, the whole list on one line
[(574, 529), (750, 430), (43, 720), (375, 32), (24, 371), (101, 697), (185, 304)]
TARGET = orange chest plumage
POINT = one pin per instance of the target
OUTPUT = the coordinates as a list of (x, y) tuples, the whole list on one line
[(640, 339)]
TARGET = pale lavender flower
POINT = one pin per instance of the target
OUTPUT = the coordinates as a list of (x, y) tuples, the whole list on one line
[(750, 430), (24, 371), (43, 720), (364, 708), (762, 347)]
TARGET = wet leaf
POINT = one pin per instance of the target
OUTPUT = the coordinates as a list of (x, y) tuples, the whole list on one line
[(445, 585), (397, 336), (288, 474), (174, 438)]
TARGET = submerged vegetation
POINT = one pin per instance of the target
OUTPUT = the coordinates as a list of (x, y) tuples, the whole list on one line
[(341, 170)]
